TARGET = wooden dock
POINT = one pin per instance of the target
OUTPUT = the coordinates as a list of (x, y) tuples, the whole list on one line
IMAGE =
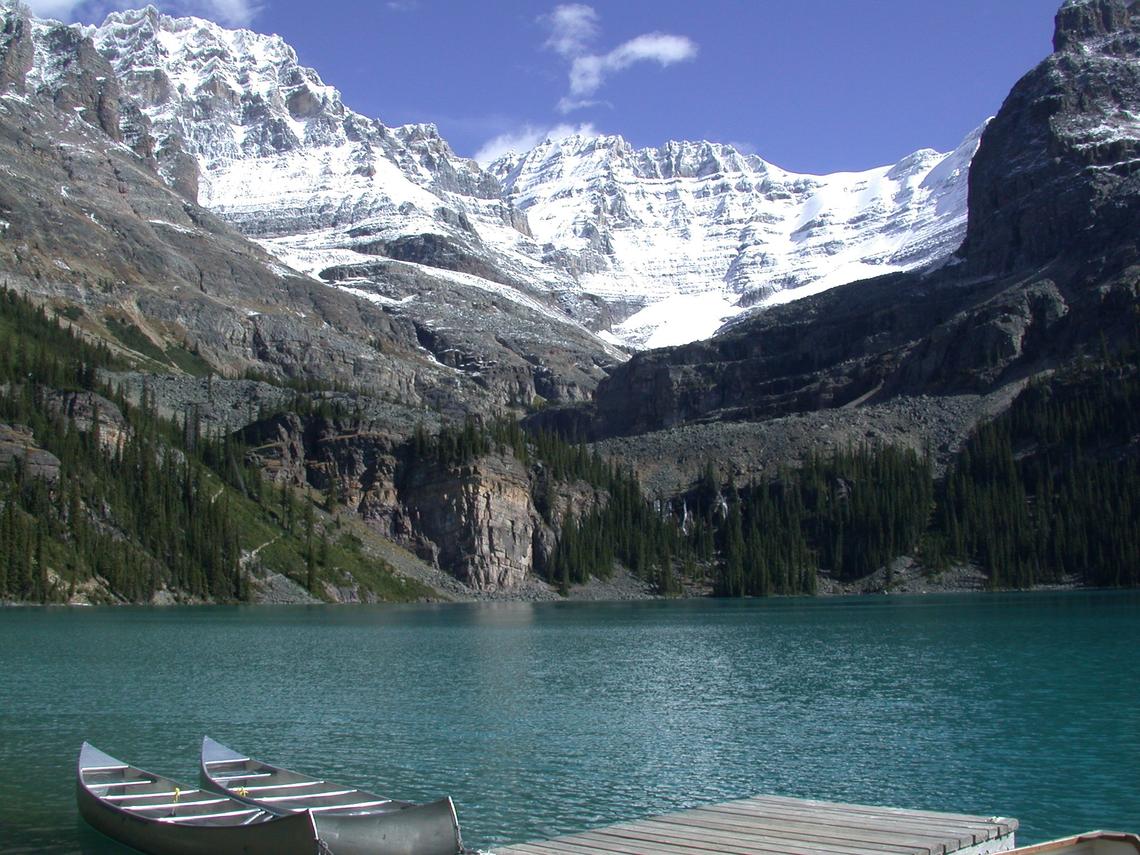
[(766, 825)]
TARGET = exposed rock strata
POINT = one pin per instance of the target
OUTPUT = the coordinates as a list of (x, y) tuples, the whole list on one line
[(18, 448), (480, 517), (476, 520)]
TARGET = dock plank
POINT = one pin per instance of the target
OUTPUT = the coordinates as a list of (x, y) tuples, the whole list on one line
[(808, 835), (952, 835), (935, 841), (721, 839), (778, 825), (1006, 824)]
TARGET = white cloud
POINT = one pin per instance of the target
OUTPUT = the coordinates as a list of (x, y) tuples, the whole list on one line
[(60, 10), (574, 26), (55, 9), (231, 13), (527, 137)]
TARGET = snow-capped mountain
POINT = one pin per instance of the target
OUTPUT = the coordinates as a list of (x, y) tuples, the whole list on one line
[(279, 154), (696, 232), (390, 215), (648, 247)]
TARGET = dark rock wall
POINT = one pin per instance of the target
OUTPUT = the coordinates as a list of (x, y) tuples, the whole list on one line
[(1056, 172)]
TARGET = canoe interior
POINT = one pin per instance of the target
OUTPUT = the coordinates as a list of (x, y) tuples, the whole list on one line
[(349, 821), (150, 796), (283, 790)]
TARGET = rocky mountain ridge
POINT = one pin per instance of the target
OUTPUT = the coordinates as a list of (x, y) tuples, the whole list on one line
[(329, 191), (103, 158)]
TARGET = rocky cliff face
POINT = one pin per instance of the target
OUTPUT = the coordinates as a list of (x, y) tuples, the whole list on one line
[(480, 519), (18, 449), (1056, 174), (477, 520), (1047, 269)]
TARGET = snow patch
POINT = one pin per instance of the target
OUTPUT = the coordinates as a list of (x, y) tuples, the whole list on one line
[(678, 319), (177, 227)]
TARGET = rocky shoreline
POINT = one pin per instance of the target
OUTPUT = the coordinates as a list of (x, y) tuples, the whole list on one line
[(904, 576)]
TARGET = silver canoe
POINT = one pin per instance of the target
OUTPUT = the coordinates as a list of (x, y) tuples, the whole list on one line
[(348, 821), (156, 815), (1092, 843)]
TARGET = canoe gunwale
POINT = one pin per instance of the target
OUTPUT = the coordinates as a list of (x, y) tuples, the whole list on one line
[(378, 804)]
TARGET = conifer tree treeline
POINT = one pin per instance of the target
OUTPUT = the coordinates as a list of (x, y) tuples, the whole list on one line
[(1048, 490), (1052, 487), (139, 513), (850, 513)]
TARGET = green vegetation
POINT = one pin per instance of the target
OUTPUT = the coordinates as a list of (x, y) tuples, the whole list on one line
[(134, 338), (143, 503), (1048, 491), (1052, 487), (625, 528), (849, 513), (189, 361), (174, 355)]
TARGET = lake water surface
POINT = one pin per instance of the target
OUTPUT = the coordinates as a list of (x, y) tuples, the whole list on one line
[(546, 719)]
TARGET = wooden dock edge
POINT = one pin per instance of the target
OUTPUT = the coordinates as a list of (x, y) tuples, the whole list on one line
[(775, 825)]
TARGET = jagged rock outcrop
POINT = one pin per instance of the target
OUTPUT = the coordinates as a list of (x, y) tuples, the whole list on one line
[(1048, 268), (88, 410), (18, 448), (1056, 171), (16, 52), (477, 520), (480, 517)]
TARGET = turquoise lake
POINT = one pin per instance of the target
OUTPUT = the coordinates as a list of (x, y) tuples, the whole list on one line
[(546, 719)]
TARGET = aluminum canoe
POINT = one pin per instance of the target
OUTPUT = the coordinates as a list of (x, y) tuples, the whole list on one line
[(1091, 843), (159, 816), (348, 821)]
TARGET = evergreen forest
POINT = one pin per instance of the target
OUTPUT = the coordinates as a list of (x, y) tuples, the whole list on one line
[(138, 502), (127, 504)]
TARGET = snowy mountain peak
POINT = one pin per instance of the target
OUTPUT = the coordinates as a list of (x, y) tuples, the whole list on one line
[(228, 94), (674, 159), (654, 245), (690, 234)]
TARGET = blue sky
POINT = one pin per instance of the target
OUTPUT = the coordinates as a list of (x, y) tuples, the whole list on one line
[(811, 85)]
